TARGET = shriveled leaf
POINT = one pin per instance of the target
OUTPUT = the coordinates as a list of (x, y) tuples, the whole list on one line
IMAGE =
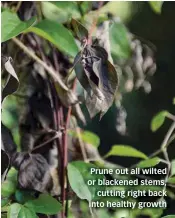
[(98, 77), (119, 41), (149, 162), (12, 82), (171, 180), (57, 34), (12, 25), (79, 29), (78, 175), (158, 120), (45, 204), (67, 97), (19, 211), (125, 150), (34, 173), (156, 6), (78, 113), (8, 144)]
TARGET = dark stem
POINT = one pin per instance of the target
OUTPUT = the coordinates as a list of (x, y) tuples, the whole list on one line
[(65, 158)]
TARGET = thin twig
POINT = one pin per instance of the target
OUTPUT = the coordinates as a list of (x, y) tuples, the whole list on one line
[(18, 6), (65, 154), (50, 70), (46, 142), (85, 158), (168, 135)]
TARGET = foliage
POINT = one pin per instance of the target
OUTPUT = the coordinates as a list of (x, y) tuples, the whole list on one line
[(58, 48)]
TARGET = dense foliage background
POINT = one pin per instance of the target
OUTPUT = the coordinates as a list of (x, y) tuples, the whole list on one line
[(140, 40)]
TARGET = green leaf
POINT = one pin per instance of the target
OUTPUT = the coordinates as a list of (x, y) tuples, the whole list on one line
[(119, 41), (158, 120), (171, 180), (45, 204), (12, 175), (57, 34), (149, 162), (23, 196), (87, 137), (8, 188), (126, 151), (19, 211), (4, 202), (78, 175), (12, 25), (169, 216), (173, 167), (156, 6), (60, 11)]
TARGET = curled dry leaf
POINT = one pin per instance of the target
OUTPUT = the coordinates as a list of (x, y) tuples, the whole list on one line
[(33, 171), (12, 82), (98, 77)]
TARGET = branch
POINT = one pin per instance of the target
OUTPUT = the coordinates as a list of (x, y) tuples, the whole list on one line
[(50, 70)]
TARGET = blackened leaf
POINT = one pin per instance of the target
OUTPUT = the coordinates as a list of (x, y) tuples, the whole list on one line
[(83, 79), (99, 79), (12, 82), (79, 29), (33, 171), (93, 105), (8, 144)]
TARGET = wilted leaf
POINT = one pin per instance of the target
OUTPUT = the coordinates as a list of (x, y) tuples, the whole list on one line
[(12, 25), (149, 162), (98, 77), (79, 29), (57, 34), (125, 150), (60, 11), (8, 144), (67, 97), (34, 173), (78, 175), (45, 204), (156, 6), (19, 211), (119, 41), (12, 82), (158, 120)]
